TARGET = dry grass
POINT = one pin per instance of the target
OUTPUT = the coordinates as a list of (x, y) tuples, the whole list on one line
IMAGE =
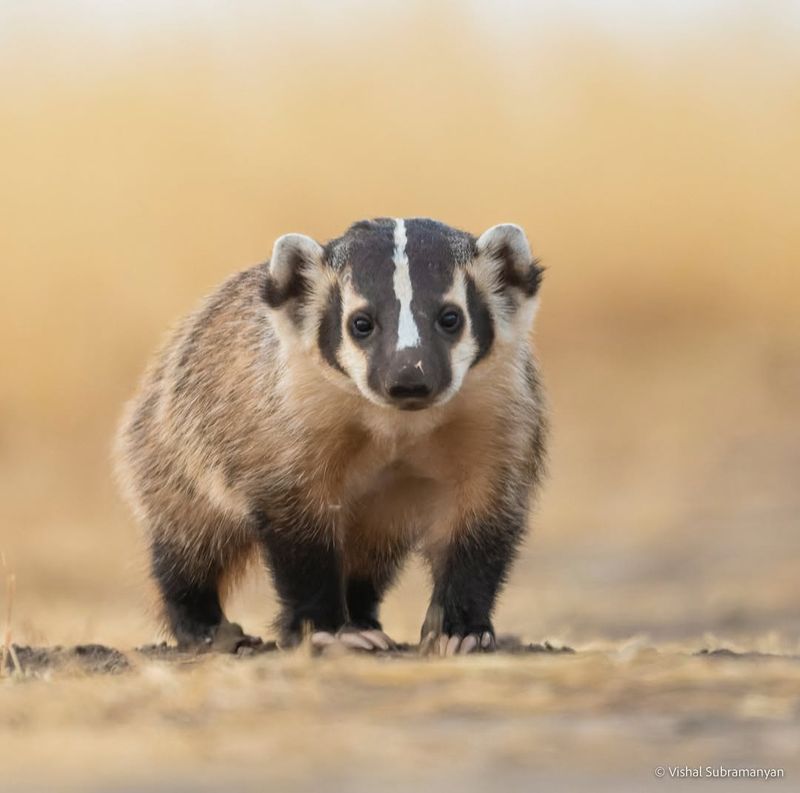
[(594, 720), (659, 184), (9, 652)]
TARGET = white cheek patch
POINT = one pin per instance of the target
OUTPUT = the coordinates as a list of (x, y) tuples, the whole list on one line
[(352, 358), (407, 330), (465, 350)]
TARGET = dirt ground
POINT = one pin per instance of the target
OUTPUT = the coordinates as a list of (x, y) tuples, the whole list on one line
[(593, 720), (145, 157)]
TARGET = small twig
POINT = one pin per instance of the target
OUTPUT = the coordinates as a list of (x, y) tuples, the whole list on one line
[(4, 655), (13, 653), (8, 647)]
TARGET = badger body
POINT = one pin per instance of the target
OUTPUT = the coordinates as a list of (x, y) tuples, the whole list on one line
[(334, 409)]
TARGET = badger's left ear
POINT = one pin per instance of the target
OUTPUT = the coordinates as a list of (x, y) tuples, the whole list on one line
[(296, 260), (506, 254)]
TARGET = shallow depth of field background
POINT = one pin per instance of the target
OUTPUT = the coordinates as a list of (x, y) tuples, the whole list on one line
[(147, 150)]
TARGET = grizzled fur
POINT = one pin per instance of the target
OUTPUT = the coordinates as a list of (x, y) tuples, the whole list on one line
[(336, 408)]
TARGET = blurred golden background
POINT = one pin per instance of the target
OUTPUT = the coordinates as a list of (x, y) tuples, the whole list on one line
[(149, 152), (651, 152)]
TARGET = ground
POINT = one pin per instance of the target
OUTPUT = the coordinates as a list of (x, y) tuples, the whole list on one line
[(593, 720)]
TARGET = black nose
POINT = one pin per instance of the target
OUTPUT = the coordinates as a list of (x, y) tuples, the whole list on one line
[(407, 382), (410, 391)]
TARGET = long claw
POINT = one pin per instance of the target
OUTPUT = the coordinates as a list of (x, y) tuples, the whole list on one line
[(378, 639), (456, 644), (452, 645), (355, 640), (322, 639), (426, 646), (351, 639), (468, 644)]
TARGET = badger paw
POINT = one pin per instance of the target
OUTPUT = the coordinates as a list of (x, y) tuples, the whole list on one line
[(370, 641), (227, 637), (230, 638), (442, 644)]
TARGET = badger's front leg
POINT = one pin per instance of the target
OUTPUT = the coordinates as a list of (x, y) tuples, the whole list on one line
[(307, 570), (468, 571)]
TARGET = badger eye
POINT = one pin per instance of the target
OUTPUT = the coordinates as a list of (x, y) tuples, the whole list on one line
[(449, 319), (361, 325)]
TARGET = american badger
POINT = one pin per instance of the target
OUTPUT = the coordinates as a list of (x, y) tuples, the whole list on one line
[(334, 409)]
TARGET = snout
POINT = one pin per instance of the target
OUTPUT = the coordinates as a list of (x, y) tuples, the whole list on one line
[(408, 386)]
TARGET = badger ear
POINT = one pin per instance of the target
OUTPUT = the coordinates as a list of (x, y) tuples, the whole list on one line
[(295, 257), (505, 252)]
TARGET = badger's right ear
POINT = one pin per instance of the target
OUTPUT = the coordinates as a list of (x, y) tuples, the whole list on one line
[(507, 255), (290, 272)]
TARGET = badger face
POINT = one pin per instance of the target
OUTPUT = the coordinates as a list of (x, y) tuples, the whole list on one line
[(404, 308)]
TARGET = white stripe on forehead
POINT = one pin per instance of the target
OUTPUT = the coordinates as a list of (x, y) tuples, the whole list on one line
[(407, 331)]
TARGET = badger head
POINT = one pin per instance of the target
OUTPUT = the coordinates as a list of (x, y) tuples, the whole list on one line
[(403, 309)]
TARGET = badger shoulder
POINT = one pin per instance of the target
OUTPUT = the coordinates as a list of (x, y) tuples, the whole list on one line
[(205, 388)]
